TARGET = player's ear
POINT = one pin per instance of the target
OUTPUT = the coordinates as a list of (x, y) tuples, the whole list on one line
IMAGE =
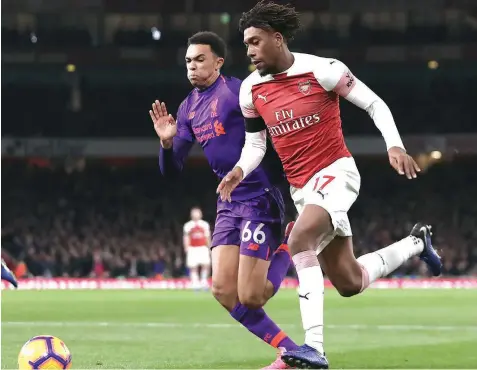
[(278, 39), (219, 63)]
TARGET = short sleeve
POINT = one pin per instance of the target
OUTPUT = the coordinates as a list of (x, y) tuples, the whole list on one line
[(335, 76), (187, 227), (246, 100), (206, 229), (184, 130)]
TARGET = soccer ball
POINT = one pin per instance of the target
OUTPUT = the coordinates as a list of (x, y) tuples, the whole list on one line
[(44, 352)]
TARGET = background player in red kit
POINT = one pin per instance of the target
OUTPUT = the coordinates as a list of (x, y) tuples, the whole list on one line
[(196, 245), (296, 98)]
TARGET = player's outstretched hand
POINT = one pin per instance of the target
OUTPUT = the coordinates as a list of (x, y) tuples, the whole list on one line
[(164, 123), (229, 183), (403, 163)]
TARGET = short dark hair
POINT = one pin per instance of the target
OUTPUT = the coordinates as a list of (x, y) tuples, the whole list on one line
[(271, 16), (216, 43)]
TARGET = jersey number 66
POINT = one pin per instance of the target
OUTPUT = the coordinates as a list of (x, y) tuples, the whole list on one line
[(258, 235)]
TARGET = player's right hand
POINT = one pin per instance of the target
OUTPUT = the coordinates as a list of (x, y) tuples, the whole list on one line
[(164, 124), (229, 183)]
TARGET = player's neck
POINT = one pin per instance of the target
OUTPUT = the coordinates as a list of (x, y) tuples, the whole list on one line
[(286, 62), (210, 81)]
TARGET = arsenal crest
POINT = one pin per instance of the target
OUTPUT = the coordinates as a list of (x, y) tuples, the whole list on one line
[(304, 87)]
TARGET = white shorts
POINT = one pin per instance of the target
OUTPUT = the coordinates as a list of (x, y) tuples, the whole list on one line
[(334, 188), (198, 256)]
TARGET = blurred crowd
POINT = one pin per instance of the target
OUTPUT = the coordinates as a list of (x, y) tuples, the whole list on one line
[(332, 30), (434, 102), (103, 220)]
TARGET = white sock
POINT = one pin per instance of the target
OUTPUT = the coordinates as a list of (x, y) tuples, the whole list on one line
[(204, 275), (194, 279), (311, 293), (384, 261)]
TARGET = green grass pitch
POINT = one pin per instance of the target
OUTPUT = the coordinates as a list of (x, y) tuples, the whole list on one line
[(147, 329)]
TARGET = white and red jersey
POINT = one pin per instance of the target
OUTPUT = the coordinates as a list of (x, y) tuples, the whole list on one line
[(301, 110), (198, 233)]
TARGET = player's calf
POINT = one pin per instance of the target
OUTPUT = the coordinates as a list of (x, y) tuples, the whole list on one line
[(252, 300), (224, 290), (341, 267), (225, 293), (349, 287)]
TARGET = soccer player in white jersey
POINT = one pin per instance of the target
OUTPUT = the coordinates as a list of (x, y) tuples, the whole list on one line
[(196, 245), (296, 98)]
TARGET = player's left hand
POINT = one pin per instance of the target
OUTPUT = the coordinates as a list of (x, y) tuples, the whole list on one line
[(403, 163), (229, 183)]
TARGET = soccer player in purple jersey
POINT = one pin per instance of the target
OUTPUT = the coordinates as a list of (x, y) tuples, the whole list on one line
[(248, 261)]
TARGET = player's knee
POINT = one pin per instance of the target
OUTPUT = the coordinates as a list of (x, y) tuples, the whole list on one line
[(225, 294), (349, 288), (304, 239), (252, 300)]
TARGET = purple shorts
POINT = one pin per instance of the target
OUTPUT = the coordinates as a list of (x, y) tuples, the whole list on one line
[(254, 224)]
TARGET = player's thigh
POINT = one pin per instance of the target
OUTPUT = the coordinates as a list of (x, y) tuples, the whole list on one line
[(225, 263), (312, 226), (227, 226), (322, 205), (225, 254), (258, 242), (341, 267), (192, 258), (203, 255)]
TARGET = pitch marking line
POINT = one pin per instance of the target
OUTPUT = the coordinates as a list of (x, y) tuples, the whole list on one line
[(231, 325)]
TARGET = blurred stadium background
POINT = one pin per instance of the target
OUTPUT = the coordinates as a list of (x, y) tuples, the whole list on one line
[(82, 195)]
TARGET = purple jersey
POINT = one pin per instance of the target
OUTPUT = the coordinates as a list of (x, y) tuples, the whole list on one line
[(213, 118)]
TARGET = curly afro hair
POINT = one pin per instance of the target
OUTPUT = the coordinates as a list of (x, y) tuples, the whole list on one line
[(268, 15)]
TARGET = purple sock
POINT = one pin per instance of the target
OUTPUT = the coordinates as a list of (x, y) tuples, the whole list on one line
[(279, 266), (257, 322)]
